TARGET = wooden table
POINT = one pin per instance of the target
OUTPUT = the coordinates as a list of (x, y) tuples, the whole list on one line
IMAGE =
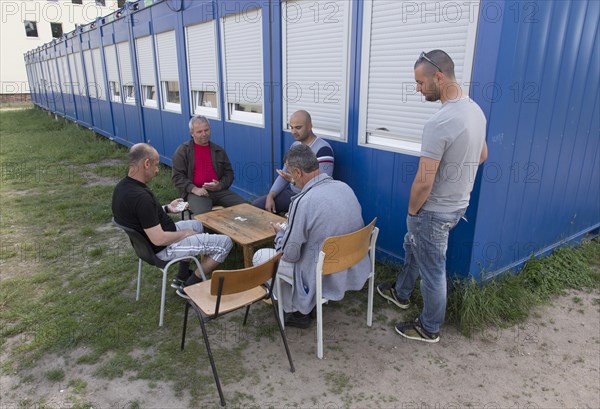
[(245, 224)]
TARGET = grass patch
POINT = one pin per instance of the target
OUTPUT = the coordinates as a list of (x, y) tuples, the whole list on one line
[(55, 375), (508, 299), (78, 385), (77, 270)]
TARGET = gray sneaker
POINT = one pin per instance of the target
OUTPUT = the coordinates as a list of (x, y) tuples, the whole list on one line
[(387, 291)]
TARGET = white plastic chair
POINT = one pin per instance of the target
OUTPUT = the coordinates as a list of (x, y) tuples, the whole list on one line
[(144, 251), (339, 253)]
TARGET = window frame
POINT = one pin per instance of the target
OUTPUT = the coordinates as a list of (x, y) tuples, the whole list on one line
[(379, 140), (37, 34), (112, 87), (145, 87), (342, 135), (52, 25), (199, 109), (163, 84), (165, 91), (234, 115), (151, 103), (196, 96)]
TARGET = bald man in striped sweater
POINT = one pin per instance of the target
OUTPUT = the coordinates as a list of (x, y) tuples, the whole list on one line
[(280, 195)]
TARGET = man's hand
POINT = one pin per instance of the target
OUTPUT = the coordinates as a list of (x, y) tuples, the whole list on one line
[(270, 204), (173, 205), (213, 186), (284, 175), (276, 227), (199, 191)]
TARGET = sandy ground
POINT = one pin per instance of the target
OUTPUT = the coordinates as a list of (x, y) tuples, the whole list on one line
[(550, 361)]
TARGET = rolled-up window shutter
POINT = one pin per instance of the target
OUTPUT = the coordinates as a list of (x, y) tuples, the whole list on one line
[(112, 69), (89, 72), (202, 57), (80, 76), (98, 69), (145, 55), (125, 63), (73, 71), (167, 56), (67, 78), (243, 58), (315, 62), (394, 37)]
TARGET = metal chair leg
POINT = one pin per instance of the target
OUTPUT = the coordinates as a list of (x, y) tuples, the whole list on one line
[(163, 297), (370, 300), (283, 337), (246, 316), (139, 280), (210, 357), (281, 316), (185, 318)]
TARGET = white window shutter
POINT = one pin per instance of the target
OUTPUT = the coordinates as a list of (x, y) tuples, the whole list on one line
[(166, 49), (315, 62), (243, 58), (66, 77), (393, 38), (112, 70), (74, 80), (125, 63), (53, 78), (98, 69), (202, 57), (145, 54), (80, 76), (89, 72)]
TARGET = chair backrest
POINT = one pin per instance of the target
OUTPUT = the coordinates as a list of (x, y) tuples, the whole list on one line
[(342, 252), (141, 246), (236, 281)]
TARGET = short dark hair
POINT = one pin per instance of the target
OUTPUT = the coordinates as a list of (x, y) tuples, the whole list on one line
[(302, 157), (442, 61), (139, 153)]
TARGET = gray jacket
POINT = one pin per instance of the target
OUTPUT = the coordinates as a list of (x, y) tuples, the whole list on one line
[(325, 207)]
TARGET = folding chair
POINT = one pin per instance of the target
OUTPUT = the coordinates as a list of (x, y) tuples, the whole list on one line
[(144, 251), (339, 253), (229, 291)]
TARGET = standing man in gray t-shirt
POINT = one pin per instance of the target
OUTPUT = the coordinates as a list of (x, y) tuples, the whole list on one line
[(453, 147)]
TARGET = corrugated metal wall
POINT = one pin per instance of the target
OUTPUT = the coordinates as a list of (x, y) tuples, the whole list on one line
[(535, 75), (541, 184)]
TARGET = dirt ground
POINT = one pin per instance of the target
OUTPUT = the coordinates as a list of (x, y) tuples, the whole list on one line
[(550, 361)]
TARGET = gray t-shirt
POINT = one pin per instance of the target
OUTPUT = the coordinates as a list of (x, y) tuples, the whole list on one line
[(455, 136)]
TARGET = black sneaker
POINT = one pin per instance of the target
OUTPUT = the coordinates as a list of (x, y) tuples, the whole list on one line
[(298, 320), (181, 292), (177, 282), (387, 291), (414, 330)]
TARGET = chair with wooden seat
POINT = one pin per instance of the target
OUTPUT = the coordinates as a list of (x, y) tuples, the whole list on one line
[(228, 291), (339, 253), (145, 252)]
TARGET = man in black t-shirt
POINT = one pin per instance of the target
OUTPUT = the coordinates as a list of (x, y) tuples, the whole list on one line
[(135, 206)]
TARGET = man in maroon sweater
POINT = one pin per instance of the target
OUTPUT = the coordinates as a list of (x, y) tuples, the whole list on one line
[(202, 172)]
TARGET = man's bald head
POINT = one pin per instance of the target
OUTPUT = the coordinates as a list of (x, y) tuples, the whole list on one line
[(301, 115), (139, 153)]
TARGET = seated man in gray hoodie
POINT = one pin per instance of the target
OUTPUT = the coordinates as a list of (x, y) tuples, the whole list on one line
[(323, 208)]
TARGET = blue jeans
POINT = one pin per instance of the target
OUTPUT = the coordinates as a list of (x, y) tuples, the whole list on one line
[(425, 245)]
